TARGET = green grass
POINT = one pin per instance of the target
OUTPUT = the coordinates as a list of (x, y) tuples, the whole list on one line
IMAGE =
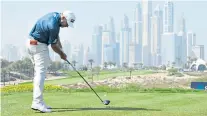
[(122, 104), (75, 78)]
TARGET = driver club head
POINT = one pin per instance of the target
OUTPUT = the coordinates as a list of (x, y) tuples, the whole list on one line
[(106, 102)]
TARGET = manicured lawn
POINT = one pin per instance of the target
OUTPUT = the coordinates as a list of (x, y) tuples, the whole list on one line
[(122, 104)]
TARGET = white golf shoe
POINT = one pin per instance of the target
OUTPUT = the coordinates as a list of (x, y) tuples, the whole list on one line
[(41, 107), (48, 107)]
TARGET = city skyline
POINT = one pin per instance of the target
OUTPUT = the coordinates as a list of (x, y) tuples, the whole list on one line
[(130, 26)]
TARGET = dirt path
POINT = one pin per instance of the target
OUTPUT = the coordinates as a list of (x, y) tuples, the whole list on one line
[(149, 80)]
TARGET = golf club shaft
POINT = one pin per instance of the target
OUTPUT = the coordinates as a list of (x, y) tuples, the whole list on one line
[(84, 80)]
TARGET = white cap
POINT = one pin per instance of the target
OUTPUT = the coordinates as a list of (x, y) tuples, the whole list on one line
[(70, 17)]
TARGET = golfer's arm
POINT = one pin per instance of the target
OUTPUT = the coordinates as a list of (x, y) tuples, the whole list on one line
[(57, 48), (59, 43)]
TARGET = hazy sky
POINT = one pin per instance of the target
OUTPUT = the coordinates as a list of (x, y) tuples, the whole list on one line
[(18, 17)]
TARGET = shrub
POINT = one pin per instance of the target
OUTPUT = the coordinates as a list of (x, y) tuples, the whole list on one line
[(128, 88), (29, 88), (136, 88), (179, 74), (172, 70)]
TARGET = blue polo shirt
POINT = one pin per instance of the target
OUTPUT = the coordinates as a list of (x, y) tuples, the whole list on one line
[(46, 30)]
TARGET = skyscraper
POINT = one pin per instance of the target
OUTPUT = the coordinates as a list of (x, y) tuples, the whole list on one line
[(137, 32), (132, 53), (125, 38), (10, 52), (146, 42), (138, 24), (117, 50), (168, 21), (106, 43), (86, 56), (179, 49), (194, 39), (67, 48), (75, 55), (111, 29), (96, 44), (108, 53), (182, 36), (190, 42), (198, 51), (81, 54), (156, 31), (170, 48)]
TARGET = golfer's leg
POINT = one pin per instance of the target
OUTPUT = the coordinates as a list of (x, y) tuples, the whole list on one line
[(41, 63)]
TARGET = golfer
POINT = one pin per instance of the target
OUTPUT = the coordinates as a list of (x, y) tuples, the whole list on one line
[(44, 33)]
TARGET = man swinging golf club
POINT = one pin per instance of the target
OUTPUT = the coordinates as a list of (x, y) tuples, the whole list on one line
[(46, 32)]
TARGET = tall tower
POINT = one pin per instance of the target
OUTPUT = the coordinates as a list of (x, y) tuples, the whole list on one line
[(67, 48), (137, 33), (111, 29), (96, 44), (182, 35), (190, 42), (125, 38), (168, 15), (146, 42), (156, 31), (198, 51)]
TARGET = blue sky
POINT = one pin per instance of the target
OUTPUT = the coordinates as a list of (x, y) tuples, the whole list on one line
[(18, 17)]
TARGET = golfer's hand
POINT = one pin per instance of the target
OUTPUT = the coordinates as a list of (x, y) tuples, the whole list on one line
[(63, 56)]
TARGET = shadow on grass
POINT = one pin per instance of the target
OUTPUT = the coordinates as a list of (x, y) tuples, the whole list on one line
[(102, 109)]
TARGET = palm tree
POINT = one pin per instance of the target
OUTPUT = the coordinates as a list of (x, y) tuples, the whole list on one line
[(168, 64), (91, 62), (114, 64), (130, 71), (125, 65), (4, 63), (140, 64), (178, 59), (195, 59), (189, 58), (135, 65), (3, 74), (173, 64), (110, 63), (105, 64), (189, 63), (74, 63)]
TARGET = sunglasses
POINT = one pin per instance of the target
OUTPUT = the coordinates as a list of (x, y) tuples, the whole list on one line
[(72, 20)]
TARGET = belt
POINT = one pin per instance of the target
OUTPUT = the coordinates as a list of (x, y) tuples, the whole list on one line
[(33, 42)]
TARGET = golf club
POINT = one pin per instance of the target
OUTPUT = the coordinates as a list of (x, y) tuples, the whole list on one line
[(105, 102)]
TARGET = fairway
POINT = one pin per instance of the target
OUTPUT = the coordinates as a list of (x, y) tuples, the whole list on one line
[(122, 104)]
